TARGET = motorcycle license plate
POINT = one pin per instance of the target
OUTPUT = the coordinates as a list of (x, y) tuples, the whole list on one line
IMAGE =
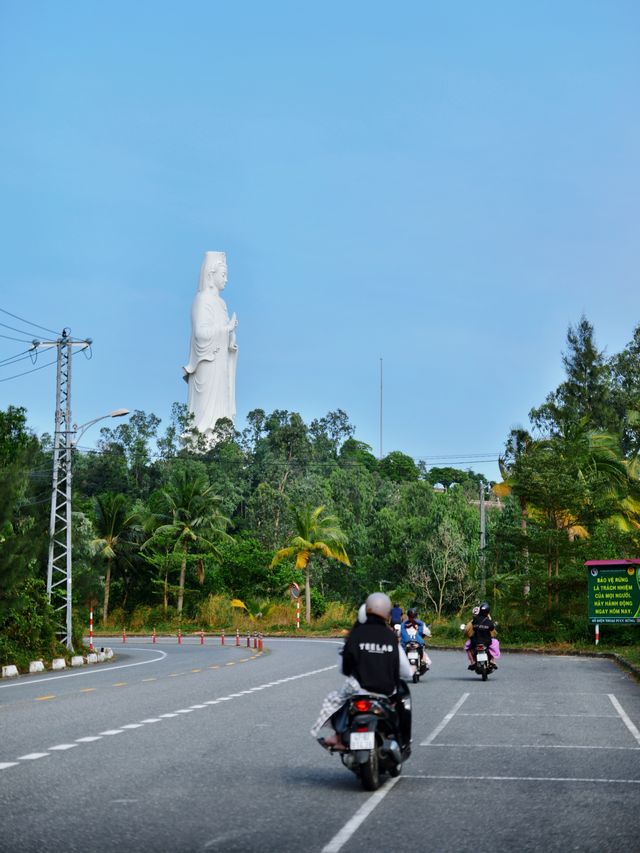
[(413, 655), (362, 740), (482, 657)]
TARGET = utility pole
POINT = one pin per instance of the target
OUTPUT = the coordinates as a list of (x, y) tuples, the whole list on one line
[(59, 563), (380, 408), (483, 542)]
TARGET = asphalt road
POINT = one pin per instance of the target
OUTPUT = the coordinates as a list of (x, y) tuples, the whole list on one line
[(207, 748)]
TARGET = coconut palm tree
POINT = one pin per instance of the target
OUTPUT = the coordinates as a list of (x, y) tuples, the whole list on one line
[(188, 516), (316, 533), (114, 522)]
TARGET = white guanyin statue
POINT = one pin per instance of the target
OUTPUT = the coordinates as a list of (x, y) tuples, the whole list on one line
[(211, 371)]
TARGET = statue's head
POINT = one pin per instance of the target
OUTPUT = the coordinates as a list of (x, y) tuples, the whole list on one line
[(213, 273)]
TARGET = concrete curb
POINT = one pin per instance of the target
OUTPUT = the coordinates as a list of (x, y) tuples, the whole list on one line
[(11, 670)]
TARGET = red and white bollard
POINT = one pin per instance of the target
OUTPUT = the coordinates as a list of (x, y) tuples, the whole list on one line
[(179, 637), (597, 634), (260, 641), (222, 637), (297, 614), (248, 640), (202, 638), (124, 636), (237, 636), (153, 638), (255, 640), (91, 629)]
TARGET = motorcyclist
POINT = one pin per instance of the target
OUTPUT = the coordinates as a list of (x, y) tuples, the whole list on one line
[(414, 630), (482, 627), (371, 660), (396, 615)]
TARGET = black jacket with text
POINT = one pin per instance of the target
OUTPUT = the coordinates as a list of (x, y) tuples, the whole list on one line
[(371, 656)]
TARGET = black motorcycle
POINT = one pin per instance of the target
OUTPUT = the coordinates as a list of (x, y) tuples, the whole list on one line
[(369, 727), (482, 661)]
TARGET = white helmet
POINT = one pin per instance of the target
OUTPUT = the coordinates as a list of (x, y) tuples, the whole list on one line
[(379, 604)]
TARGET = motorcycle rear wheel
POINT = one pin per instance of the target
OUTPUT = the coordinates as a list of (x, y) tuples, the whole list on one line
[(416, 677), (370, 772)]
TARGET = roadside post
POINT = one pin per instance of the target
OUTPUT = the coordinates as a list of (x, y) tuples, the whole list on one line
[(613, 588), (294, 591), (91, 629)]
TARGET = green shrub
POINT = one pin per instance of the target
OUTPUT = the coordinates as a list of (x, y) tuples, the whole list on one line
[(140, 618), (216, 612), (337, 616)]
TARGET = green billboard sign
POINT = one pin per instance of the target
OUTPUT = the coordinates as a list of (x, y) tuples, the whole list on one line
[(614, 591)]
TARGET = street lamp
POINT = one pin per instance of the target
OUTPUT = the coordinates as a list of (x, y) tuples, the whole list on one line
[(60, 548)]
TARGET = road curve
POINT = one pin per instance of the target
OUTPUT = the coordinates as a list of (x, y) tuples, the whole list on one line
[(207, 748)]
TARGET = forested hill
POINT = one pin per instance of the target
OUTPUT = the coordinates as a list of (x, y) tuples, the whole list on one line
[(165, 528)]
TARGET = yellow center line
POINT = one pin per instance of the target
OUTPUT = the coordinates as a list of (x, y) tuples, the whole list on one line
[(120, 684), (232, 663), (175, 674), (43, 698), (149, 679), (243, 660), (196, 670), (217, 666), (87, 689)]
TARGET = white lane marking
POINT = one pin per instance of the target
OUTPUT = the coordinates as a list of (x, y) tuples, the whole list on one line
[(528, 746), (62, 746), (625, 717), (340, 839), (92, 739), (32, 756), (526, 779), (92, 671), (4, 765), (447, 719), (486, 714)]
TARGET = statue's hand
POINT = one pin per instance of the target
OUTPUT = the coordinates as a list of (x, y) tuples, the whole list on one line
[(233, 322)]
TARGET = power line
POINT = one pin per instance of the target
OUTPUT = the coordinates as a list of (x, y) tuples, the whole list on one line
[(24, 373), (20, 340), (48, 364), (21, 356), (13, 329), (28, 322)]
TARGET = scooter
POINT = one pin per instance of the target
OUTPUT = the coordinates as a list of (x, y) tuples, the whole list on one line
[(369, 730), (483, 664), (417, 655)]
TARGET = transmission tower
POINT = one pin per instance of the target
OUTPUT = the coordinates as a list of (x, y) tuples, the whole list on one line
[(59, 563)]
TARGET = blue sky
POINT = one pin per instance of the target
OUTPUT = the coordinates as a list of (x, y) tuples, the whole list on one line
[(442, 185)]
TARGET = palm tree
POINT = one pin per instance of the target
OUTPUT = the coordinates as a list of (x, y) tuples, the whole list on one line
[(114, 521), (316, 533), (189, 517)]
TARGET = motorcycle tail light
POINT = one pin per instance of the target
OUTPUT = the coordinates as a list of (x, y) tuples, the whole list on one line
[(480, 647), (362, 705)]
